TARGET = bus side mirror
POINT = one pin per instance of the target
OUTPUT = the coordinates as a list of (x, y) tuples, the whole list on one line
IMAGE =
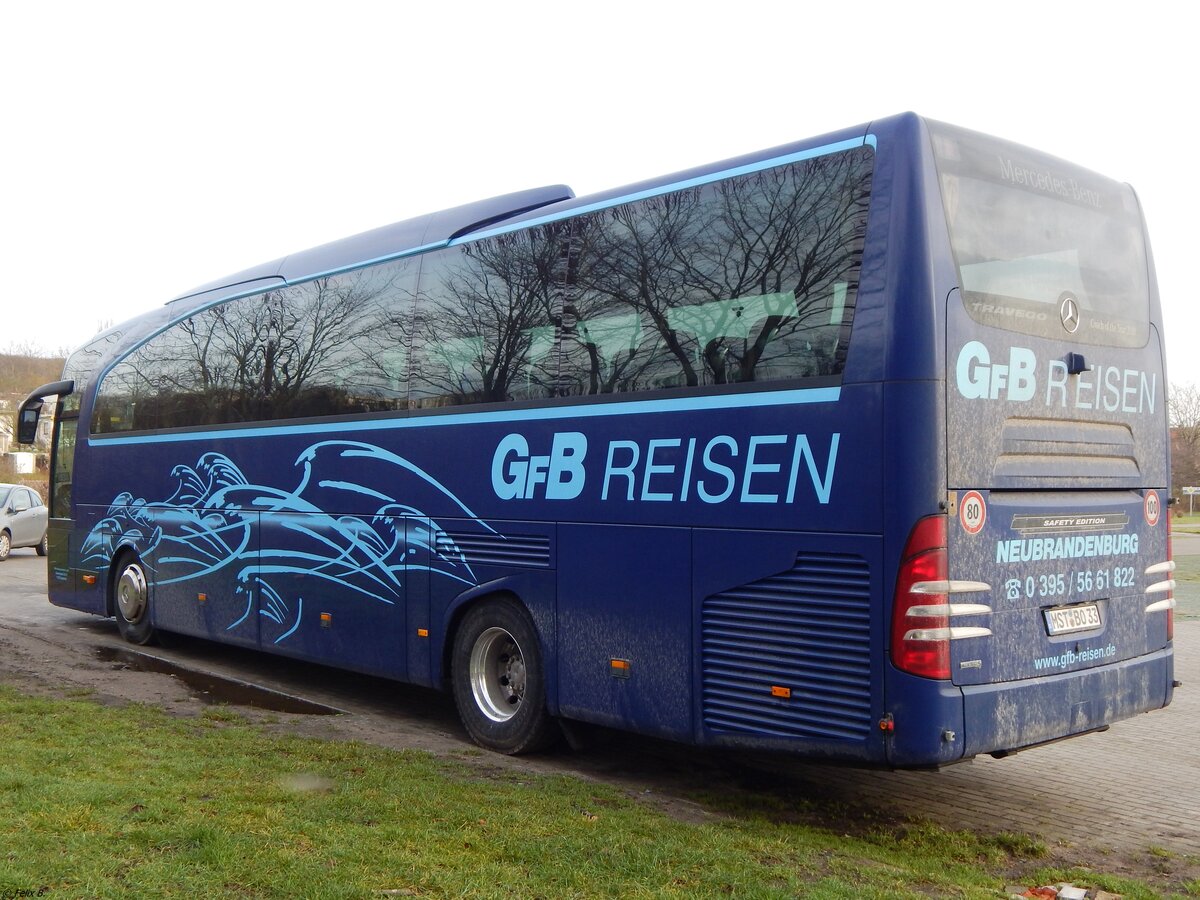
[(27, 423), (31, 409)]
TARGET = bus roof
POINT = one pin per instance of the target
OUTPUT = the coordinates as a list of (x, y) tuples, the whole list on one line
[(440, 228), (431, 229)]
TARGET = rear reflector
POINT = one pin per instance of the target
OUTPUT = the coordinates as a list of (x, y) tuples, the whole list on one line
[(920, 636)]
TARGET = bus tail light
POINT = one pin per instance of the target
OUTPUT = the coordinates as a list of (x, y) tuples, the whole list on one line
[(1161, 593), (920, 620), (1171, 595)]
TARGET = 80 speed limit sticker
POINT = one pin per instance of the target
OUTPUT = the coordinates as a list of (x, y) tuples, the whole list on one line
[(972, 512)]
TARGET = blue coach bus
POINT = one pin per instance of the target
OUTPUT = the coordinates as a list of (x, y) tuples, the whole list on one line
[(855, 449)]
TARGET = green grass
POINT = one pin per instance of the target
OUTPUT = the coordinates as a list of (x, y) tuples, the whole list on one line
[(104, 802), (1181, 521)]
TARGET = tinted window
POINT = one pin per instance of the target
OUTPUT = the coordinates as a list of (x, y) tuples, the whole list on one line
[(81, 367), (1030, 232), (332, 346), (63, 468), (484, 329), (751, 279)]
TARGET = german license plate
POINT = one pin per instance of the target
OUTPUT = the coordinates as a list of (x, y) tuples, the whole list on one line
[(1065, 619)]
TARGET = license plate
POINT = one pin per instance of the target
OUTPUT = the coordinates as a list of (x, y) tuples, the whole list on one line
[(1066, 619)]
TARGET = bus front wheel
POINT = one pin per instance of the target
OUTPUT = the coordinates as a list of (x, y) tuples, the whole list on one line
[(499, 680), (131, 602)]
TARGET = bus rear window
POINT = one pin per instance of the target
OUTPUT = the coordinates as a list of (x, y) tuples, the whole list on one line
[(1031, 232)]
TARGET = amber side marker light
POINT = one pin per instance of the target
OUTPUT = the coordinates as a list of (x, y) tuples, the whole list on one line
[(619, 668)]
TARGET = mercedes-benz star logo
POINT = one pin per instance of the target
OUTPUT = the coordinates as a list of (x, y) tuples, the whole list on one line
[(1068, 311)]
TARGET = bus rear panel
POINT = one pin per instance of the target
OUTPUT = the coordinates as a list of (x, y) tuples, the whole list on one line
[(1050, 608)]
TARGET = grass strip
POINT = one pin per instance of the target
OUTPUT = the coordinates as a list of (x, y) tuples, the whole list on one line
[(98, 801)]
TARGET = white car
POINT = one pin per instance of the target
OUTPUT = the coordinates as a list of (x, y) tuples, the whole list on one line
[(23, 519)]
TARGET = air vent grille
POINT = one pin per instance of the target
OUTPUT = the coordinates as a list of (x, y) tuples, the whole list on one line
[(789, 655), (522, 551)]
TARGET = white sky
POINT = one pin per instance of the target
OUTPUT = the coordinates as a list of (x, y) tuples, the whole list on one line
[(146, 148)]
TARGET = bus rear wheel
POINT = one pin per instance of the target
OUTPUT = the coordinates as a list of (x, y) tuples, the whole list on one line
[(499, 680), (131, 601)]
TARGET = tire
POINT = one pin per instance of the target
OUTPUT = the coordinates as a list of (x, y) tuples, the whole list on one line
[(131, 601), (43, 545), (499, 680), (5, 545)]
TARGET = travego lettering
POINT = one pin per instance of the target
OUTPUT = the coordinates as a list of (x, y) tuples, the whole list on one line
[(762, 468), (1107, 388)]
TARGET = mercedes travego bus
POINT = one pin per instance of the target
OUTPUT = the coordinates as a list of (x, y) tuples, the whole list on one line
[(854, 449)]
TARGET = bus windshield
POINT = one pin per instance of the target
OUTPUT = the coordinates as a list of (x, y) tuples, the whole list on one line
[(1029, 232)]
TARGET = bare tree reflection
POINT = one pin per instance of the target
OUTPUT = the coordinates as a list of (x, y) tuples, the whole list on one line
[(484, 328), (748, 279), (327, 347), (744, 280)]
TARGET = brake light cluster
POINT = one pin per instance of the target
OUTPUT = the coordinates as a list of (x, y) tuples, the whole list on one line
[(920, 619)]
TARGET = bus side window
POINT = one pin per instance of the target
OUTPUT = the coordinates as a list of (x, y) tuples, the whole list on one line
[(745, 280), (484, 331), (335, 345)]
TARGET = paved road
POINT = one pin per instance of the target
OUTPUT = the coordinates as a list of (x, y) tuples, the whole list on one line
[(1132, 788), (1183, 544)]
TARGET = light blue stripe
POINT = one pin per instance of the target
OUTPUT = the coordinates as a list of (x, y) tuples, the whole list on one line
[(390, 257), (590, 411), (747, 169), (659, 190)]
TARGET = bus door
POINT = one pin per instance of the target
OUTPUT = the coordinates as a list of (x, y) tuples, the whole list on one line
[(60, 527), (61, 585), (1056, 448)]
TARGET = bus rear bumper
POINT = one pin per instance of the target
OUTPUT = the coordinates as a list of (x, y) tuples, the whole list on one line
[(1012, 715)]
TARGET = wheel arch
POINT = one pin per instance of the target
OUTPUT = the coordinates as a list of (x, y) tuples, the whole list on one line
[(537, 601), (457, 611)]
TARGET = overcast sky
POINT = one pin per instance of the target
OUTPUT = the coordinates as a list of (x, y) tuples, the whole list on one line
[(149, 148)]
